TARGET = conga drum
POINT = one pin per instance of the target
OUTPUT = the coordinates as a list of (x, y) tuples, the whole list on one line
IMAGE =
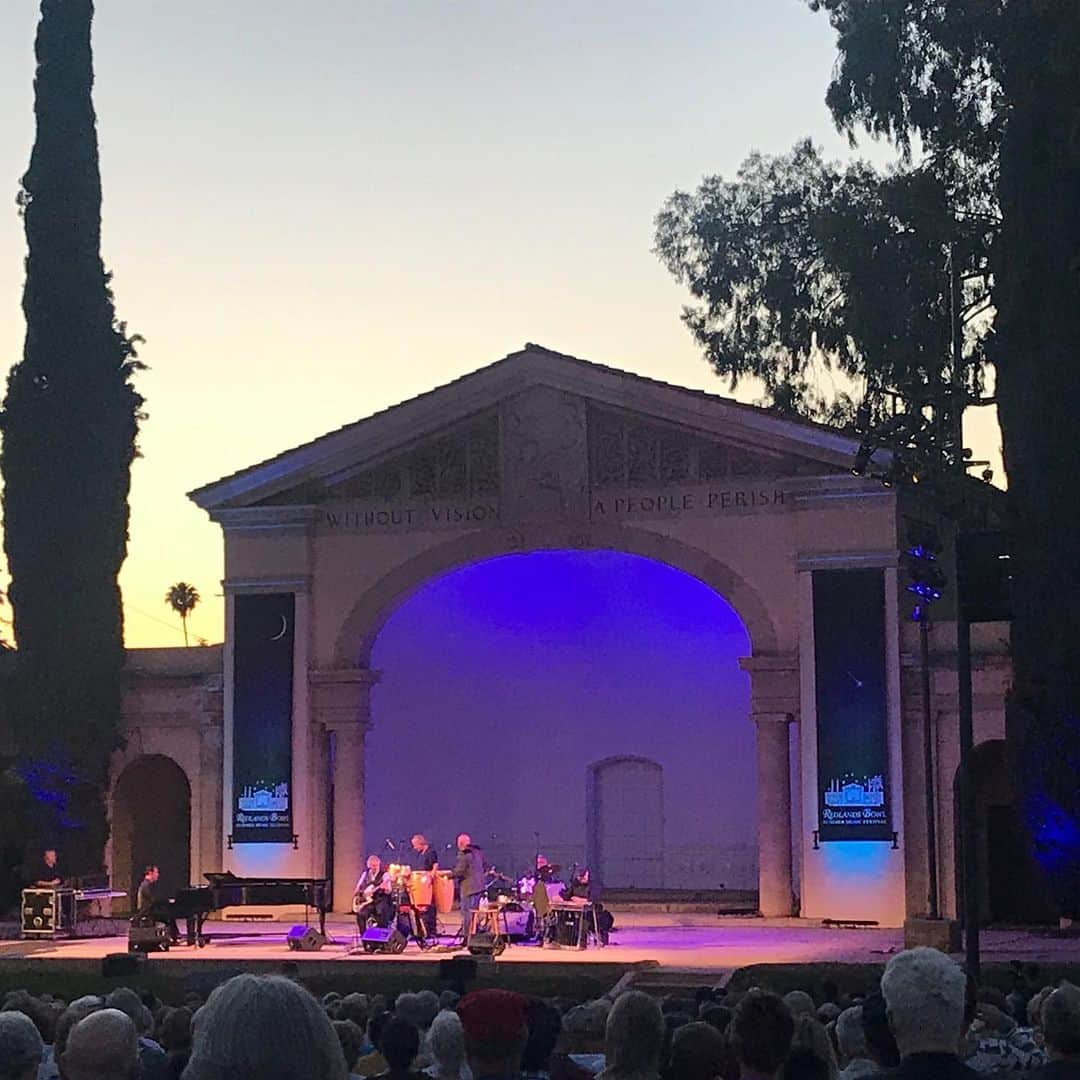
[(443, 888), (420, 889)]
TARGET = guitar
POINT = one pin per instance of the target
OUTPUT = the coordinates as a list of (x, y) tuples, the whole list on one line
[(367, 893)]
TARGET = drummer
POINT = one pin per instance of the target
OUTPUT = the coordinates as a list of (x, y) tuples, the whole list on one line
[(425, 859)]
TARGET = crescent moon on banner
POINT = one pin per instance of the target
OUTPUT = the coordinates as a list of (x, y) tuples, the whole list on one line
[(284, 629)]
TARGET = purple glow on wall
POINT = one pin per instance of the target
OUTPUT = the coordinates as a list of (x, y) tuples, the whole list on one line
[(503, 680)]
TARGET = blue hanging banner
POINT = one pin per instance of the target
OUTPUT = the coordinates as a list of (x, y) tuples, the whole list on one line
[(852, 705), (263, 638)]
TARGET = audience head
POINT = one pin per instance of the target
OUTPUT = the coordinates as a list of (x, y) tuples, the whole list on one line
[(810, 1034), (799, 1002), (761, 1031), (697, 1052), (78, 1010), (399, 1043), (39, 1012), (1061, 1023), (496, 1030), (264, 1028), (719, 1016), (545, 1026), (924, 994), (880, 1043), (128, 1002), (351, 1037), (634, 1038), (850, 1038), (447, 1041), (354, 1007), (583, 1028), (174, 1030), (103, 1046), (21, 1047)]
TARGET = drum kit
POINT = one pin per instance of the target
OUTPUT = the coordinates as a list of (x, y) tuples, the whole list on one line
[(514, 905), (521, 910)]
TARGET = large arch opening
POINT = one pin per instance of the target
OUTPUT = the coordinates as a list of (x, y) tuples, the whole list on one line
[(151, 823), (506, 682)]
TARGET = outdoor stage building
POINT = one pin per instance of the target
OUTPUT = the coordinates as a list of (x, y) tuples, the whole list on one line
[(252, 756)]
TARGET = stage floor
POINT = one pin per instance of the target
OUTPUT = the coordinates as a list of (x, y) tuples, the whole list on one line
[(705, 944)]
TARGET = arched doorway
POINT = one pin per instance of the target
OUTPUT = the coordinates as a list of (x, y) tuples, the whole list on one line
[(1011, 888), (151, 823), (624, 822), (502, 682)]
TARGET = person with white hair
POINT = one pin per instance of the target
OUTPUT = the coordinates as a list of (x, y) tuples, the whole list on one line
[(851, 1042), (634, 1038), (21, 1047), (924, 993), (446, 1040), (1060, 1018), (264, 1027), (103, 1046)]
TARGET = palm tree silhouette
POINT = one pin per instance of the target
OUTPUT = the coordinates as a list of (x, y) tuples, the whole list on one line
[(182, 598)]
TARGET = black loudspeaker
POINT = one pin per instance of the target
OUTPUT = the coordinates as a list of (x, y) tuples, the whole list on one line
[(383, 939), (984, 576), (121, 965), (486, 945), (146, 939), (305, 939)]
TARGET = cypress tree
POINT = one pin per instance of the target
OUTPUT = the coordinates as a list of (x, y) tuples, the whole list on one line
[(69, 425)]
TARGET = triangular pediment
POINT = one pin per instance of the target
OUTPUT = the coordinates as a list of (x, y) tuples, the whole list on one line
[(456, 440)]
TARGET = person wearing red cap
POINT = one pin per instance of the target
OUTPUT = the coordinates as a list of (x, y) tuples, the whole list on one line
[(496, 1030)]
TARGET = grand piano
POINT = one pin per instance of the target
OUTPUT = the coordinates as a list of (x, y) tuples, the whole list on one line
[(227, 890)]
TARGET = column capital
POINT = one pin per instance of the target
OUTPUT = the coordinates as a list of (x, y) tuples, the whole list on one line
[(774, 685), (341, 697), (760, 718), (769, 662)]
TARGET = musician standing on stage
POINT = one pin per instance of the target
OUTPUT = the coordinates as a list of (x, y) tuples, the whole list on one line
[(371, 897), (147, 907), (426, 859), (469, 871), (48, 872)]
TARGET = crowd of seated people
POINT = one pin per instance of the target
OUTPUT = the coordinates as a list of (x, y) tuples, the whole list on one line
[(926, 1021)]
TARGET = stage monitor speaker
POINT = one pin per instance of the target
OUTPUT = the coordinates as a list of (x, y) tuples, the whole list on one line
[(383, 939), (486, 944), (121, 965), (305, 939)]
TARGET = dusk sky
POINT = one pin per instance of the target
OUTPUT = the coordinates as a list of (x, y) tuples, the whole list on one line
[(315, 210)]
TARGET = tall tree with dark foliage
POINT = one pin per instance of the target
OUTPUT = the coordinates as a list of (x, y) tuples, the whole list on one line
[(992, 87), (69, 427)]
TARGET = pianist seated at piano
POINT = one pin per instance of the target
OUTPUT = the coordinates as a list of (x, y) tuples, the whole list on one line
[(149, 907), (371, 897)]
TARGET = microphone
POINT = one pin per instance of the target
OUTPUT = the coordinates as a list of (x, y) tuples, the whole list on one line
[(390, 844)]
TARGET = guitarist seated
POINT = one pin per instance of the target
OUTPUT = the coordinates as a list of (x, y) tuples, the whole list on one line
[(371, 897)]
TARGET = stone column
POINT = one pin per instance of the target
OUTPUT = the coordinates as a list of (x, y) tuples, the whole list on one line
[(774, 814), (774, 704), (341, 703)]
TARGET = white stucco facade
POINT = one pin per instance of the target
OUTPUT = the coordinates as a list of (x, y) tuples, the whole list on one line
[(748, 503)]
